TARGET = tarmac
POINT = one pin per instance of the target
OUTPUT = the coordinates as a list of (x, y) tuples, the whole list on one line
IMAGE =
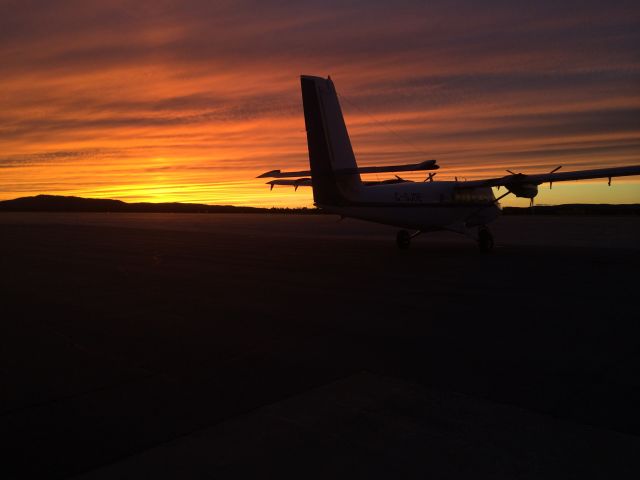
[(238, 345)]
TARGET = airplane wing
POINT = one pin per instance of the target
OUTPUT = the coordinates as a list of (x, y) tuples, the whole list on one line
[(515, 180), (411, 167)]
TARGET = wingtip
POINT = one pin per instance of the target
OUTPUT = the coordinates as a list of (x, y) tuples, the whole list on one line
[(270, 173)]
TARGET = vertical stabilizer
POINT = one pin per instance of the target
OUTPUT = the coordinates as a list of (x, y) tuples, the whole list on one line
[(328, 142)]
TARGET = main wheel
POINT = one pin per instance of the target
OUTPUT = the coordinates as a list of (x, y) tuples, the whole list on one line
[(485, 240), (403, 239)]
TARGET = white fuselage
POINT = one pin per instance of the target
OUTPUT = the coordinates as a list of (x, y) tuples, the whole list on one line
[(425, 206)]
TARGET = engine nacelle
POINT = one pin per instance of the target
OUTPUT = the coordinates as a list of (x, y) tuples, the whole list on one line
[(524, 190)]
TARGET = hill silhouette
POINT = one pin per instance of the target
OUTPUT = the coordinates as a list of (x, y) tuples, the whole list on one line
[(57, 203)]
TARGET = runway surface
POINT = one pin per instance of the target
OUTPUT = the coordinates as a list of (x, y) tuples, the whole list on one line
[(225, 345)]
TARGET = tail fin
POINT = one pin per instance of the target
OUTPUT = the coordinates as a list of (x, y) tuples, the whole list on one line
[(328, 142)]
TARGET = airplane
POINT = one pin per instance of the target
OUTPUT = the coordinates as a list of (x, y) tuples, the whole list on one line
[(464, 207)]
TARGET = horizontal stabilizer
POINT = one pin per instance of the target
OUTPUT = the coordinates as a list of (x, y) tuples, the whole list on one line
[(298, 182), (411, 167)]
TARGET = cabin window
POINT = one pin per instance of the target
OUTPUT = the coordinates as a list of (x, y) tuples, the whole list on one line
[(472, 196)]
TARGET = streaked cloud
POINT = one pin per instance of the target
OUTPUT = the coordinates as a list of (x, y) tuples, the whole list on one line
[(168, 100)]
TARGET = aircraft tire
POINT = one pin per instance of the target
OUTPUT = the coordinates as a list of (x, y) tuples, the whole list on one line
[(485, 240), (403, 239)]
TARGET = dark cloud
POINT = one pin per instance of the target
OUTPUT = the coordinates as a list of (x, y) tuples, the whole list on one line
[(44, 158)]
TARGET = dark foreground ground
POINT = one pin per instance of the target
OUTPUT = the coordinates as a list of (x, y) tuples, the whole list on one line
[(231, 346)]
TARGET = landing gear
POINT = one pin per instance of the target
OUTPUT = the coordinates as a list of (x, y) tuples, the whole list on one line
[(403, 239), (485, 240)]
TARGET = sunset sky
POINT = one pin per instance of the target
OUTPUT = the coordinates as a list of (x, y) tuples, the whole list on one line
[(190, 100)]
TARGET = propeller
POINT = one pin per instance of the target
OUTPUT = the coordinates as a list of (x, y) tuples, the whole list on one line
[(552, 171), (522, 185), (522, 178), (430, 177)]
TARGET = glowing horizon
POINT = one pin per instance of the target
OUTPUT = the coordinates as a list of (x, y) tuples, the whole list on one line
[(190, 101)]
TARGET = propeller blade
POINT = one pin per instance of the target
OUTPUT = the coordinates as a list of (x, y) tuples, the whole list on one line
[(511, 172), (552, 171)]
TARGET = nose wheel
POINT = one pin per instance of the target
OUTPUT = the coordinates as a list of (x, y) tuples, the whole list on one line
[(485, 240)]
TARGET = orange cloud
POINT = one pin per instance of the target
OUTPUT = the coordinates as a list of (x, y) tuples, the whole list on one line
[(189, 101)]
